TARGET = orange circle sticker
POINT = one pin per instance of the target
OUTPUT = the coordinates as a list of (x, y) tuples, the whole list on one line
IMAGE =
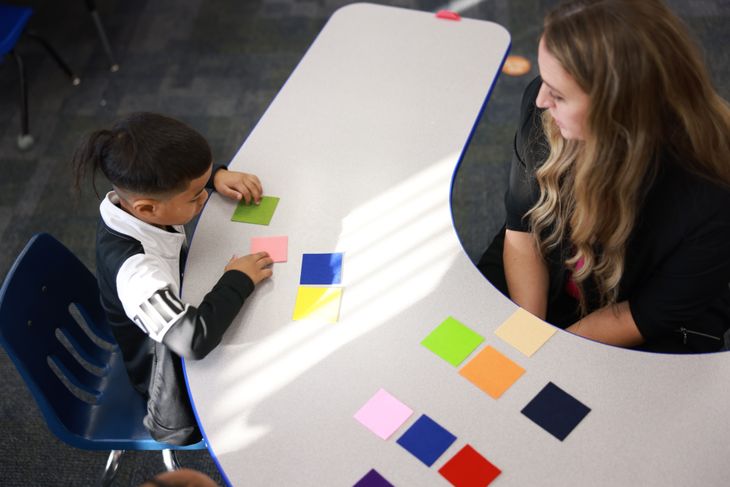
[(516, 66)]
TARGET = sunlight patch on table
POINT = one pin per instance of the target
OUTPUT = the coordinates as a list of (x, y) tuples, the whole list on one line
[(391, 261)]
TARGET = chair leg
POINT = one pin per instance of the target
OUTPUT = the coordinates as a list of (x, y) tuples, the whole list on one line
[(112, 465), (75, 80), (91, 6), (170, 459), (25, 140)]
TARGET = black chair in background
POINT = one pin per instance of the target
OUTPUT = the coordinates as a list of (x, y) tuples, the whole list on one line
[(13, 21), (91, 6)]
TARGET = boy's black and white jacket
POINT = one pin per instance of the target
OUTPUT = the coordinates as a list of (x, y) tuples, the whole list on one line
[(139, 268)]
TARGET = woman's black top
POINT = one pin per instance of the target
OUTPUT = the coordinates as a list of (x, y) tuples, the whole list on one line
[(677, 266)]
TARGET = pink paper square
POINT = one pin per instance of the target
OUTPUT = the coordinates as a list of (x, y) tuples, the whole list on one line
[(275, 246), (383, 414)]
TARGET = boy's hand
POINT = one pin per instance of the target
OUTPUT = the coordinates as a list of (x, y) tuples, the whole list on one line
[(256, 266), (238, 185)]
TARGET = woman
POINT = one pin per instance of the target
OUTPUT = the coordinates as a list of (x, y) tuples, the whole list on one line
[(618, 225)]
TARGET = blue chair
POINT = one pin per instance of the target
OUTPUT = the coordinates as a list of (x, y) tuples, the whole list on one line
[(13, 21), (54, 329)]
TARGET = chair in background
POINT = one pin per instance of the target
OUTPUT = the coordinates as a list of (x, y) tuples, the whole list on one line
[(55, 331), (13, 21), (91, 7)]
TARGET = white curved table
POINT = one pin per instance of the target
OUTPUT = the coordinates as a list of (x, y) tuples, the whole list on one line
[(361, 145)]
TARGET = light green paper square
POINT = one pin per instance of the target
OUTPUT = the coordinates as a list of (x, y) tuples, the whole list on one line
[(259, 214), (452, 341)]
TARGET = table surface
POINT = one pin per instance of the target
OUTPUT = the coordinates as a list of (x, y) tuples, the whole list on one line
[(361, 145)]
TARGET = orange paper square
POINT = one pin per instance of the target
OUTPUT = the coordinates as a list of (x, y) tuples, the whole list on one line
[(492, 372)]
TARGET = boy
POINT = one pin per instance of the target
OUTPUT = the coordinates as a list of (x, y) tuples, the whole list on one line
[(159, 169)]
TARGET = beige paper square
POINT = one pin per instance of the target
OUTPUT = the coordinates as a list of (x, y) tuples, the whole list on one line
[(525, 332)]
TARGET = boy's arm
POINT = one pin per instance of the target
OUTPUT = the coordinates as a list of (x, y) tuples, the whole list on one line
[(149, 298), (197, 331)]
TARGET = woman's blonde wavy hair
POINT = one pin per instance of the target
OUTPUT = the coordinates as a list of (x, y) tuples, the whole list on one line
[(649, 91)]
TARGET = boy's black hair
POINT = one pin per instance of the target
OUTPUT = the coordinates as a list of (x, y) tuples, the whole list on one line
[(144, 153)]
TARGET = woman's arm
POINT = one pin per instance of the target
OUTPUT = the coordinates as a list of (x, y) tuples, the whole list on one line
[(611, 324), (526, 272), (527, 281)]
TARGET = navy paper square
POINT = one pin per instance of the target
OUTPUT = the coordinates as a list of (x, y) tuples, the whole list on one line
[(556, 411), (426, 440), (321, 269), (373, 479)]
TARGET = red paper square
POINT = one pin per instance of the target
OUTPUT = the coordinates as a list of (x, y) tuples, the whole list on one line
[(469, 469)]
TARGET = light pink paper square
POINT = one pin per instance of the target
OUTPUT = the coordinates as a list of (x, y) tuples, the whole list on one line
[(277, 247), (383, 414)]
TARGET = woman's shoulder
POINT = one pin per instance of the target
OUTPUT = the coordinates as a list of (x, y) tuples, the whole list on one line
[(690, 193), (528, 109), (530, 95), (530, 144), (682, 211)]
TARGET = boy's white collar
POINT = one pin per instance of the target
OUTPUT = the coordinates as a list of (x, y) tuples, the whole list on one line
[(149, 235)]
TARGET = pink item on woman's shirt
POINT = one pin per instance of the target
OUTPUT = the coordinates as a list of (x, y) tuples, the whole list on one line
[(571, 287)]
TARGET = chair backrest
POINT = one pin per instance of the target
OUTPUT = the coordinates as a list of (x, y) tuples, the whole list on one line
[(12, 23), (54, 329)]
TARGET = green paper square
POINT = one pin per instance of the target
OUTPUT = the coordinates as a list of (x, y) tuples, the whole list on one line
[(452, 341), (252, 213)]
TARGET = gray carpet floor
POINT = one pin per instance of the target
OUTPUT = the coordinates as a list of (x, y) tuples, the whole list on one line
[(215, 64)]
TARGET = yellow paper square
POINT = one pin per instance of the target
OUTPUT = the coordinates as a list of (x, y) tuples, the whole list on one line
[(525, 332), (318, 303)]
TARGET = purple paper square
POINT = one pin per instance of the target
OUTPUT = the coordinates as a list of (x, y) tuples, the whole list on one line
[(373, 479)]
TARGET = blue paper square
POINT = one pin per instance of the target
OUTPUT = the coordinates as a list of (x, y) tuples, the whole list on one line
[(426, 440), (321, 269), (556, 411)]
